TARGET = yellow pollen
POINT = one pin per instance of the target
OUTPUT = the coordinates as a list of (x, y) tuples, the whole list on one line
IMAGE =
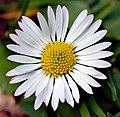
[(58, 58)]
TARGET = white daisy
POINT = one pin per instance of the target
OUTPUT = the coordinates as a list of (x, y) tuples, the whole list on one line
[(56, 63)]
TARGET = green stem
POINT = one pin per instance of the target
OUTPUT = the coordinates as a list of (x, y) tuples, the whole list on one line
[(112, 86), (25, 6)]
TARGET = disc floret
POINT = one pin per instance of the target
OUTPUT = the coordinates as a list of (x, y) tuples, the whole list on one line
[(58, 58)]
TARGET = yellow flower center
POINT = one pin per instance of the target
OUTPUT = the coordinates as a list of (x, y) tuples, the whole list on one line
[(58, 58)]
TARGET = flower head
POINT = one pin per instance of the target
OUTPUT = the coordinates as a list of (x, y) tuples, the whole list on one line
[(56, 63)]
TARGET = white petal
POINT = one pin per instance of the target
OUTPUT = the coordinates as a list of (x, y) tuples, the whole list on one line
[(91, 39), (17, 40), (85, 69), (26, 85), (78, 20), (39, 100), (95, 63), (55, 97), (31, 90), (59, 22), (38, 35), (20, 78), (44, 26), (61, 90), (74, 88), (34, 86), (42, 84), (65, 22), (33, 27), (68, 94), (87, 79), (84, 24), (81, 83), (88, 31), (27, 67), (95, 48), (22, 88), (48, 91), (31, 32), (23, 69), (26, 29), (98, 55), (23, 59), (22, 50), (51, 22), (23, 44), (12, 73), (76, 23), (28, 39), (99, 75), (90, 71)]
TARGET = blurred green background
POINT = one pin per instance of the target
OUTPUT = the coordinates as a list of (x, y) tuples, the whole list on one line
[(106, 100)]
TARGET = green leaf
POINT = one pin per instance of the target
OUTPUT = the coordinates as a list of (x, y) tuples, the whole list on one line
[(5, 66), (66, 110), (95, 108), (117, 115), (116, 78), (84, 110), (109, 115), (116, 50), (112, 22), (25, 6), (102, 8), (112, 86)]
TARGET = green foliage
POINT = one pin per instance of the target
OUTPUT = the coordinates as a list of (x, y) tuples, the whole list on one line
[(95, 108), (112, 21), (84, 110), (116, 78), (66, 110), (5, 66), (112, 86)]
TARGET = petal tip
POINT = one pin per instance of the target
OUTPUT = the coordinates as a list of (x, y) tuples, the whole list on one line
[(105, 32), (25, 96), (36, 108), (90, 92), (54, 108), (8, 46), (100, 20), (10, 35), (16, 93), (11, 82), (49, 7), (85, 11), (9, 73)]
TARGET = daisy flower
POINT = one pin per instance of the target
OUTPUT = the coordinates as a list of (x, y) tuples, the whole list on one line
[(56, 61)]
